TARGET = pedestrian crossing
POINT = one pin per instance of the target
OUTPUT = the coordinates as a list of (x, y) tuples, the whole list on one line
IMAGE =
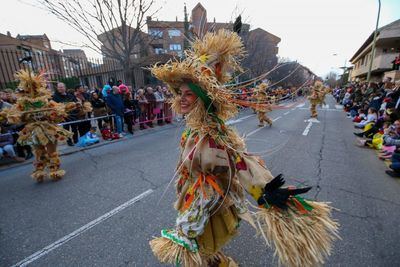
[(326, 107)]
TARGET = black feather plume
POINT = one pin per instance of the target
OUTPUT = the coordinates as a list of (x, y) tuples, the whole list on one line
[(237, 26), (274, 195)]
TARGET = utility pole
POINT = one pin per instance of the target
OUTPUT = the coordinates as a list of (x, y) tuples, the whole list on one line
[(374, 43)]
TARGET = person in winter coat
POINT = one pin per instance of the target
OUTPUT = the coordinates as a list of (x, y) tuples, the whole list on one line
[(130, 105), (159, 107), (151, 99), (142, 100), (115, 103), (62, 96), (99, 108), (83, 100)]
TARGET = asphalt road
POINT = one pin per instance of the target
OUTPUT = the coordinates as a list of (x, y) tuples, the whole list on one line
[(111, 203)]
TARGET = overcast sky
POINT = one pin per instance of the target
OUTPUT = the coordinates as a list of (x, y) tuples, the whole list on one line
[(311, 30)]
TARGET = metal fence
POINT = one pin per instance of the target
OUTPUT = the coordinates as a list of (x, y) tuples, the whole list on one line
[(58, 67)]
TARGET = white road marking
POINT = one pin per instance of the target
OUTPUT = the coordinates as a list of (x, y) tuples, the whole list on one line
[(231, 122), (312, 120), (300, 105), (277, 118), (325, 106), (81, 230), (293, 109), (327, 109), (338, 106), (307, 129), (256, 130), (286, 113), (253, 132)]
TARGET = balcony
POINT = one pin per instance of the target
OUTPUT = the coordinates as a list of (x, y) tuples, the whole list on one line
[(382, 62)]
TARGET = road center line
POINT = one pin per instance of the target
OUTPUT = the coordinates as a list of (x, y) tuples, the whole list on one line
[(81, 230), (307, 129)]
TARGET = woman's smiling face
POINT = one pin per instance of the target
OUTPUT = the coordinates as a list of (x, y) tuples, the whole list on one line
[(188, 98)]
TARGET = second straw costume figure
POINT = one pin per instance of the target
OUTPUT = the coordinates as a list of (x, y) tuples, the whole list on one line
[(263, 104), (215, 172), (317, 97), (40, 116)]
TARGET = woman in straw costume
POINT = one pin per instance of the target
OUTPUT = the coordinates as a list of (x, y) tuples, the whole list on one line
[(215, 171)]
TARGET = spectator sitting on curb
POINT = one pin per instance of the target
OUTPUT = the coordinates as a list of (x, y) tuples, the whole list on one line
[(6, 146), (371, 118), (4, 104), (90, 138), (107, 134)]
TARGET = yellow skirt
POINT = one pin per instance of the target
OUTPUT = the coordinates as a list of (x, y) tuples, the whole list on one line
[(221, 228)]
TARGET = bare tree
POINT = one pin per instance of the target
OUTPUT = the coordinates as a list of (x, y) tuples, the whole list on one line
[(331, 79), (110, 27), (290, 73), (260, 55)]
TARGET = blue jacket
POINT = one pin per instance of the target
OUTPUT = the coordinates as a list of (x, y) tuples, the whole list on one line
[(115, 103)]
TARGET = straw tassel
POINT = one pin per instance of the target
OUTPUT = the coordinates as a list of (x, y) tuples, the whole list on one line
[(170, 252), (299, 240)]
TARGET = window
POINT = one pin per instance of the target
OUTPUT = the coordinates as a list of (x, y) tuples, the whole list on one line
[(175, 47), (174, 33), (156, 33), (159, 50)]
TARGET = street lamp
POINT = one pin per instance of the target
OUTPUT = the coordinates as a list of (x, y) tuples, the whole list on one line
[(374, 43)]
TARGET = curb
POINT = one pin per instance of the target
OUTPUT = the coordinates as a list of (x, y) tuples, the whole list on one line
[(103, 143)]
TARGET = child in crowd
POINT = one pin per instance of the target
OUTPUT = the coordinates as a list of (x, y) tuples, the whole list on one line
[(360, 117), (107, 134), (90, 138), (371, 117)]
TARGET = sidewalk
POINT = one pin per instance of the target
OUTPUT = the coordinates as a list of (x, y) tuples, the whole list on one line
[(64, 149)]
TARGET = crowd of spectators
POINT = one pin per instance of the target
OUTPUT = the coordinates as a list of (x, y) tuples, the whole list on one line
[(116, 111), (375, 110)]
